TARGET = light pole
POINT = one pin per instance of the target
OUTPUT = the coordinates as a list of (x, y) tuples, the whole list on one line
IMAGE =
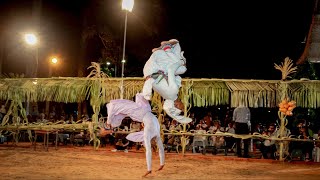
[(127, 5), (53, 61), (32, 40)]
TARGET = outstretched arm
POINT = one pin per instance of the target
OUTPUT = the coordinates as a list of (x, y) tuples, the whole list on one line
[(103, 132)]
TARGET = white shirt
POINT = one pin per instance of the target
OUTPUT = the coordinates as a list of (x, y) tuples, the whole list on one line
[(241, 114)]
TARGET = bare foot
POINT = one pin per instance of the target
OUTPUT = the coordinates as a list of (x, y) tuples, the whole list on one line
[(148, 172), (160, 168)]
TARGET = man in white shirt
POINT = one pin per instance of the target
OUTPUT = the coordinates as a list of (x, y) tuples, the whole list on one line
[(241, 117)]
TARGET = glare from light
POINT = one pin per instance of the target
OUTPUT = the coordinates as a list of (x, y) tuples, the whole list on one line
[(54, 60), (123, 61), (35, 82), (31, 39), (108, 63), (127, 5)]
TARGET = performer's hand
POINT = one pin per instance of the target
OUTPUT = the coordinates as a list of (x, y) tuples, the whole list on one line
[(148, 172), (103, 132), (160, 168)]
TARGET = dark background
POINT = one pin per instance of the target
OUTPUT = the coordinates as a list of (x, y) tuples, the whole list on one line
[(221, 39)]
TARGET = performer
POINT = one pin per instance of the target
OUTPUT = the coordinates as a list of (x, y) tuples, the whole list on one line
[(162, 75), (140, 111)]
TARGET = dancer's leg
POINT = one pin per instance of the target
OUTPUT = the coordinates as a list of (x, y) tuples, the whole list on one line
[(168, 89), (172, 91), (173, 87), (147, 146), (161, 152), (176, 48)]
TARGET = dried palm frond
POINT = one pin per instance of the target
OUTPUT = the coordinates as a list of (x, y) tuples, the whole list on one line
[(286, 68), (96, 71), (12, 75)]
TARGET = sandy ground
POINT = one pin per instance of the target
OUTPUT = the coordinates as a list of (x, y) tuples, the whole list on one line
[(72, 162)]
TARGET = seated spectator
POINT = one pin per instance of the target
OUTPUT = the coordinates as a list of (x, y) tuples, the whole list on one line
[(216, 127), (268, 147), (120, 146), (3, 109), (135, 126), (79, 138), (296, 130), (216, 141), (208, 119), (42, 118), (317, 137), (306, 147), (198, 140), (52, 114), (34, 113), (229, 139), (202, 125), (63, 138), (3, 112), (172, 128), (107, 137), (257, 142), (258, 129), (193, 122)]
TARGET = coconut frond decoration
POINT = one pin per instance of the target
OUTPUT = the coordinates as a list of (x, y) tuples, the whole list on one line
[(286, 68)]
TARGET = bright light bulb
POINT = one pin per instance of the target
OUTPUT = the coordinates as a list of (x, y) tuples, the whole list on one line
[(30, 39), (127, 5), (54, 60)]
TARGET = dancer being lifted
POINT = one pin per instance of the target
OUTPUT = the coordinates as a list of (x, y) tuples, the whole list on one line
[(140, 111), (162, 72)]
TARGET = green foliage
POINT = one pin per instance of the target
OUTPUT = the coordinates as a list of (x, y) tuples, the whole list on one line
[(307, 70), (105, 67)]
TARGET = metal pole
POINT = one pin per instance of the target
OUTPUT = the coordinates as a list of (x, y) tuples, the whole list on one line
[(37, 62), (123, 53), (34, 74)]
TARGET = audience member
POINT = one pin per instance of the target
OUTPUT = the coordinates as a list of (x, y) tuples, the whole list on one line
[(241, 117), (268, 147)]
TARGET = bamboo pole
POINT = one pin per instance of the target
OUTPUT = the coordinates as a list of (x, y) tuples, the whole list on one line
[(282, 126), (186, 92)]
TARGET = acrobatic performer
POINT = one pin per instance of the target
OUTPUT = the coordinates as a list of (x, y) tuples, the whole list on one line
[(140, 111), (162, 75)]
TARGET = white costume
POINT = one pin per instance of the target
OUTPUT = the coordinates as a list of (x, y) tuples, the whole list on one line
[(140, 111), (162, 75)]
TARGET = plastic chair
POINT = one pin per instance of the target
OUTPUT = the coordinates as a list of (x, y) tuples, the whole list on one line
[(199, 141)]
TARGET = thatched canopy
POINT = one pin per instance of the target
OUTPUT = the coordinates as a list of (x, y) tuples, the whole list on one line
[(204, 92), (306, 93)]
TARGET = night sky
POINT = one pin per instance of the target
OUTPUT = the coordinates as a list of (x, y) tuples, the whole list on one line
[(239, 39)]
